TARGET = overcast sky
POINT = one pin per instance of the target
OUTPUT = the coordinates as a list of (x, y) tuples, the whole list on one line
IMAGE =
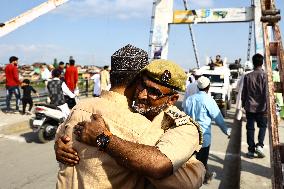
[(92, 30)]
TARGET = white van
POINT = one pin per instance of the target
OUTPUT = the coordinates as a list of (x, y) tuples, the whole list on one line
[(220, 88)]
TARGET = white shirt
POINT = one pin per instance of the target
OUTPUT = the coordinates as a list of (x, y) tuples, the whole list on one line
[(97, 84), (239, 89), (65, 89), (45, 75)]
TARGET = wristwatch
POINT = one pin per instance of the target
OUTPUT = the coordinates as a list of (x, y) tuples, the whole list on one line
[(103, 140)]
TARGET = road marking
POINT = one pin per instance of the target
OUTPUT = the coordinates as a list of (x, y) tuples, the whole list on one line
[(14, 138), (224, 154)]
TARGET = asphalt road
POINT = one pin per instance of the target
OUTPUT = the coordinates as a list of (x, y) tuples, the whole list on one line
[(27, 164)]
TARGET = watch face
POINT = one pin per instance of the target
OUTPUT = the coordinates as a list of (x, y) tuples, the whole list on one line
[(102, 141), (99, 143)]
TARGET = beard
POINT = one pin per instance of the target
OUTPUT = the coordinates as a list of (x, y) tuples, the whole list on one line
[(143, 108)]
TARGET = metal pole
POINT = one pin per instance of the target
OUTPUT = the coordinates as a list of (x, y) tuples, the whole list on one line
[(272, 119), (150, 56), (87, 87), (275, 158), (249, 41), (192, 37), (280, 54)]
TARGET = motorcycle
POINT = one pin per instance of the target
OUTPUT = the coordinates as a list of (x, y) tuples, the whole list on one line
[(47, 119)]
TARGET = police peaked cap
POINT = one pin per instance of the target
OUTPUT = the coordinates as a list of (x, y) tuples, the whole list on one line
[(166, 73)]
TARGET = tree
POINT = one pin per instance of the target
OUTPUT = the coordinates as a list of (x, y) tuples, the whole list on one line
[(55, 63)]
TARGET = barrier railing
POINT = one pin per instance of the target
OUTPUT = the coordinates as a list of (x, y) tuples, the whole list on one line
[(85, 89)]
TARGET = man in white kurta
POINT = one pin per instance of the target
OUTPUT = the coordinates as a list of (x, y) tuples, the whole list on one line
[(97, 84)]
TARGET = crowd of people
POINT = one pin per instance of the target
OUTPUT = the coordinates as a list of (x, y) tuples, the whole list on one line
[(61, 84), (68, 78), (252, 94), (131, 135)]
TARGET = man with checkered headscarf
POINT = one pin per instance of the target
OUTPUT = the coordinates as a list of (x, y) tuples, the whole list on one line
[(100, 169)]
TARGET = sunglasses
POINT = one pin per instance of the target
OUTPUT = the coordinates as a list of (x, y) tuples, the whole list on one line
[(152, 92)]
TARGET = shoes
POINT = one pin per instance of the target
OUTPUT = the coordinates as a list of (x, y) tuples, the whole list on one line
[(8, 111), (209, 177), (250, 155), (28, 113), (259, 151)]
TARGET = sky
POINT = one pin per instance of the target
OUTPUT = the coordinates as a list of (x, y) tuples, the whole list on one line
[(92, 30)]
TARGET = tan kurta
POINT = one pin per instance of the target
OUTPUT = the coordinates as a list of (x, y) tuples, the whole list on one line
[(105, 80), (97, 169)]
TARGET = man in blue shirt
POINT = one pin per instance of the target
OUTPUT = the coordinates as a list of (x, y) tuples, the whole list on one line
[(203, 109)]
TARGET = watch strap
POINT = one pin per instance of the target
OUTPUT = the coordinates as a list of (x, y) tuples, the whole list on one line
[(107, 133)]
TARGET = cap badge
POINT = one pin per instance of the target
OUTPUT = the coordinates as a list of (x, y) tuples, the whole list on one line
[(166, 76)]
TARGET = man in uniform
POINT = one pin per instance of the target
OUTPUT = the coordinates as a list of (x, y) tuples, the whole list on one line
[(137, 146)]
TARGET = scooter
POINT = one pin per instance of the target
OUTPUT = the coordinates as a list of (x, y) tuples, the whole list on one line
[(47, 119)]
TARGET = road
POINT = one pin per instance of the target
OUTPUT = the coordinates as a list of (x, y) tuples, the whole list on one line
[(27, 164)]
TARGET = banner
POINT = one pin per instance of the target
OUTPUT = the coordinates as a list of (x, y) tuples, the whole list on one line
[(213, 15), (163, 16)]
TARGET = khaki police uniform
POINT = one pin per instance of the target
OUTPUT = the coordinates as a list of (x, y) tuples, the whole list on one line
[(178, 137)]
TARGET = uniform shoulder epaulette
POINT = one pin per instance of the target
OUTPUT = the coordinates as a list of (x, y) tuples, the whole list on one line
[(180, 118)]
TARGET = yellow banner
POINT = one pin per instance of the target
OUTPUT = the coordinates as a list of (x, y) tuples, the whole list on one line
[(184, 16)]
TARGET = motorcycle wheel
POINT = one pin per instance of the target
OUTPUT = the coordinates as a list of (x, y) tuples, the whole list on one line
[(46, 133)]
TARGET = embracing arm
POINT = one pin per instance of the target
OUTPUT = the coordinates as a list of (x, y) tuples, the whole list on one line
[(64, 153), (144, 159), (147, 160)]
